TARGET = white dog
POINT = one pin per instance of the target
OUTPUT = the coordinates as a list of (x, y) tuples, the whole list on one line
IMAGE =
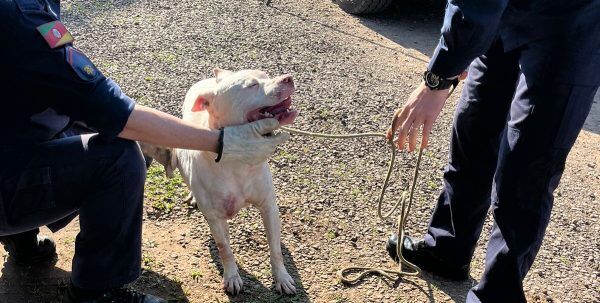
[(222, 189)]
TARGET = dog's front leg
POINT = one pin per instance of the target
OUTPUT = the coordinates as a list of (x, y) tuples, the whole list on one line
[(270, 216), (232, 282)]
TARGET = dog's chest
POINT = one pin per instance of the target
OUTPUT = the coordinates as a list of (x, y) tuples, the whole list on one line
[(224, 189), (228, 201), (230, 204)]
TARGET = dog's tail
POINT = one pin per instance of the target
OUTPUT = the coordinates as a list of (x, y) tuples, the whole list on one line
[(163, 155)]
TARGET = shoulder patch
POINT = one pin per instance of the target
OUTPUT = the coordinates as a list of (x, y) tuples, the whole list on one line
[(83, 67), (55, 33)]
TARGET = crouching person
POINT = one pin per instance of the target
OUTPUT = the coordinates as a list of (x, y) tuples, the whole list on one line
[(48, 177)]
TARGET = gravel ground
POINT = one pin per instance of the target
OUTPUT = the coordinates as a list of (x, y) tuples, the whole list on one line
[(351, 73)]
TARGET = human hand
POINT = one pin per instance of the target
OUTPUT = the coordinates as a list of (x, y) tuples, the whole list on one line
[(247, 142), (422, 109)]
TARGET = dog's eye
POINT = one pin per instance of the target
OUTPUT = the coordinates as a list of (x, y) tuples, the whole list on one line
[(255, 84)]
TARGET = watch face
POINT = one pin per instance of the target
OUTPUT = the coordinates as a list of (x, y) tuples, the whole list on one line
[(432, 80)]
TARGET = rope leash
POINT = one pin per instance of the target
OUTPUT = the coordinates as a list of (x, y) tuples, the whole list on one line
[(403, 202), (389, 274)]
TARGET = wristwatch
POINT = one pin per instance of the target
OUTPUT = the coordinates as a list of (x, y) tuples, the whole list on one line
[(435, 82)]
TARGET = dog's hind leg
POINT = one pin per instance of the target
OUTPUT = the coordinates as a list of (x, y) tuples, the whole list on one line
[(270, 216), (232, 282)]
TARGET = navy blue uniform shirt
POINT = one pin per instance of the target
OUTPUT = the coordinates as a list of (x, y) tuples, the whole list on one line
[(470, 26), (44, 88)]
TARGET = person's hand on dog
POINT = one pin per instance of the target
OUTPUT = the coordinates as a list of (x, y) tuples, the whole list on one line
[(422, 109), (248, 142)]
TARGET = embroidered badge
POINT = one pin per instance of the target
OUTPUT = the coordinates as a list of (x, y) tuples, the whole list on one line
[(55, 33), (82, 66)]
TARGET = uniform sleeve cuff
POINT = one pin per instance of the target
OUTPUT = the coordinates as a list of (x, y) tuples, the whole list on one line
[(109, 109), (445, 64)]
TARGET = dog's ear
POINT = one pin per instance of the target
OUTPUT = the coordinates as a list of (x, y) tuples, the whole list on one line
[(200, 104), (221, 73), (203, 101)]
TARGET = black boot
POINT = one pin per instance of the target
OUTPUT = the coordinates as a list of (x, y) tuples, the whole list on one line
[(75, 294), (421, 255), (28, 248)]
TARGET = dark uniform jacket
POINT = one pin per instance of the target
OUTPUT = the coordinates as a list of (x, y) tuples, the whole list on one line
[(470, 26), (46, 85)]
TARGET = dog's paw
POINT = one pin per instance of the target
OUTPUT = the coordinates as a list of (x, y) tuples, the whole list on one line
[(284, 283), (233, 284), (190, 200)]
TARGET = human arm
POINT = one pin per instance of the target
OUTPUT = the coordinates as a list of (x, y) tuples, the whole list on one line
[(470, 27), (155, 127), (245, 142)]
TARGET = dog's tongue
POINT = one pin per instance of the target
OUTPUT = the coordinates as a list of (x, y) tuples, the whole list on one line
[(287, 117), (280, 111)]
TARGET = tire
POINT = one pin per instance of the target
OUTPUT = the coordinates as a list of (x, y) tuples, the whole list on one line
[(358, 7)]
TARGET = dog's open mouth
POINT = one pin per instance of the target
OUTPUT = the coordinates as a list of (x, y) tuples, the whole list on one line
[(280, 111)]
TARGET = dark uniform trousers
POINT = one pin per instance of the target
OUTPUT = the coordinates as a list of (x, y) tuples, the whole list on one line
[(517, 118), (102, 181)]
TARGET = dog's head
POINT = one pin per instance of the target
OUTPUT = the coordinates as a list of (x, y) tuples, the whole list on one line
[(246, 96)]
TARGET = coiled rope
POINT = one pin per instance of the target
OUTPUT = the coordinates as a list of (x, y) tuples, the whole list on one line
[(343, 274), (404, 203)]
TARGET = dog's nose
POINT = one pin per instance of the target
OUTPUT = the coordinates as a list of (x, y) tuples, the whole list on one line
[(287, 79)]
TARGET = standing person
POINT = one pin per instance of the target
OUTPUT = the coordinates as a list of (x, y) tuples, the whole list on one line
[(47, 177), (534, 70)]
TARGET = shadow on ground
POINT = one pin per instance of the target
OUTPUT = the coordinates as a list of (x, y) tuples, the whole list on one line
[(405, 24), (411, 24), (47, 283), (457, 291), (253, 290)]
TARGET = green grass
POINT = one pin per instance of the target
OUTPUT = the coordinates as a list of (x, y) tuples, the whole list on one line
[(244, 213), (163, 193), (431, 184), (564, 260), (285, 155), (166, 57), (324, 113), (331, 234), (196, 275), (148, 261)]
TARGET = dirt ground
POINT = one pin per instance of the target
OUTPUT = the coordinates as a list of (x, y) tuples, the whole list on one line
[(351, 74)]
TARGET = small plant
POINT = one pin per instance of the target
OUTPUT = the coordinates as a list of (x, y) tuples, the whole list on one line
[(177, 280), (166, 57), (243, 213), (432, 185), (148, 261), (285, 155), (564, 260), (331, 234), (149, 243), (163, 206), (196, 275)]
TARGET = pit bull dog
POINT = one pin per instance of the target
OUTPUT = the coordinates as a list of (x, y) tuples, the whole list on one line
[(221, 189)]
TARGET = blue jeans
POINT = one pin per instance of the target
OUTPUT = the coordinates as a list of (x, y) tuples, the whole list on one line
[(102, 182)]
